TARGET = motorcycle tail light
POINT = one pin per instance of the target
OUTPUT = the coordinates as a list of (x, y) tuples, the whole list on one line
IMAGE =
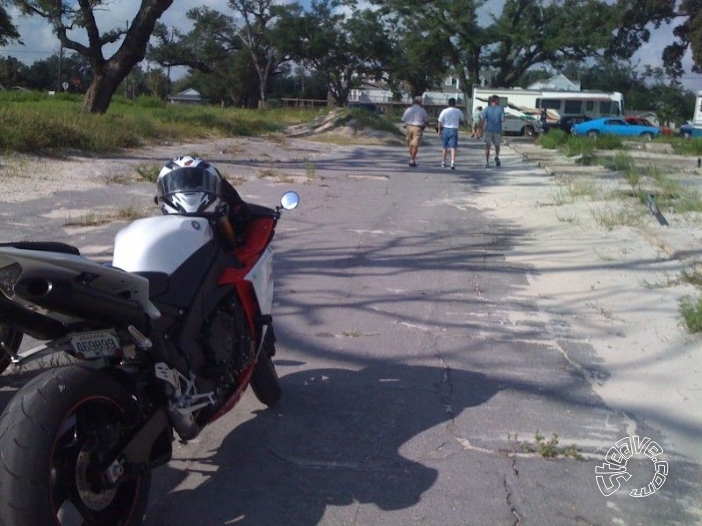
[(8, 278)]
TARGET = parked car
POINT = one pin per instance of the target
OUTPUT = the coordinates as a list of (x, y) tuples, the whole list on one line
[(526, 126), (688, 131), (614, 126), (644, 121), (566, 123)]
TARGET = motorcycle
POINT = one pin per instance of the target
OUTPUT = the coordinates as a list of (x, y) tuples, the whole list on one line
[(165, 338)]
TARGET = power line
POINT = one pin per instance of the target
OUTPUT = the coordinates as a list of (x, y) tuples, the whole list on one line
[(26, 51)]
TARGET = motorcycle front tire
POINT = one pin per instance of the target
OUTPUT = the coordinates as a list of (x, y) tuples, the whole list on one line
[(56, 435), (264, 380)]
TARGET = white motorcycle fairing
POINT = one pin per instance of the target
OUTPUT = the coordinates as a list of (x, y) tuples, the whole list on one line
[(160, 243)]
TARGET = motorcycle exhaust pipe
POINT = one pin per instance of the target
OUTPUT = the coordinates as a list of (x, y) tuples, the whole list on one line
[(79, 300), (29, 322)]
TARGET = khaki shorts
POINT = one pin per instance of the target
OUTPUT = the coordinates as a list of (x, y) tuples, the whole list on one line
[(492, 137), (414, 135)]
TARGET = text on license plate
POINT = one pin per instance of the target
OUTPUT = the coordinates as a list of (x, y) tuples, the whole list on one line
[(96, 344)]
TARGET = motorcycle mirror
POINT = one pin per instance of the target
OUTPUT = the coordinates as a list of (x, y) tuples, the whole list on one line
[(290, 200)]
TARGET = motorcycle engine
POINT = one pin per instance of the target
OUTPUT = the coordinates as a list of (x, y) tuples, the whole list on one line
[(227, 345)]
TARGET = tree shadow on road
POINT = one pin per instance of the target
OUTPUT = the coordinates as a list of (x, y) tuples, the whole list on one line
[(335, 438)]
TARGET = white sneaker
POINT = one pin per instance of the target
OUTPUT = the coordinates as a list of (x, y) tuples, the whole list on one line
[(443, 165)]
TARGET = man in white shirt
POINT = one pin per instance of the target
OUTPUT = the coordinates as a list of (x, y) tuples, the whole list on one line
[(449, 121), (415, 119)]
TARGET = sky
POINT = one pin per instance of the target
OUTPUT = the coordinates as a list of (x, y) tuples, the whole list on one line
[(40, 43)]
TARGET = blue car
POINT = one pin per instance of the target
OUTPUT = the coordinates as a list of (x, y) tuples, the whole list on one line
[(614, 126), (687, 131)]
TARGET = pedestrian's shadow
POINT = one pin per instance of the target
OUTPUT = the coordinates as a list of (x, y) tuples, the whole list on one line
[(336, 438)]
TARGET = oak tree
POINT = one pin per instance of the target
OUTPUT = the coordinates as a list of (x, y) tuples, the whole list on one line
[(108, 72)]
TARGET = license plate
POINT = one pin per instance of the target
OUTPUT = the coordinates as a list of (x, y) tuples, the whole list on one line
[(96, 344)]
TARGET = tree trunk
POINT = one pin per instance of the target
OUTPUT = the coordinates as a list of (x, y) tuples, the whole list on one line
[(99, 95), (108, 74)]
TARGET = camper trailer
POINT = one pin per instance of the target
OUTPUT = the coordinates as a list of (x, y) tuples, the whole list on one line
[(694, 128)]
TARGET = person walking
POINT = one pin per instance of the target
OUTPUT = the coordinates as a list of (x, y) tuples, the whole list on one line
[(477, 132), (415, 119), (449, 121), (492, 119)]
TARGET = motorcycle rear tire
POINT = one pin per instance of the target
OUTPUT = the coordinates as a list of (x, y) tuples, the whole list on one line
[(264, 380), (11, 339), (55, 435)]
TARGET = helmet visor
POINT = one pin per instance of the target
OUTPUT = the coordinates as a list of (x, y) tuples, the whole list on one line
[(189, 179)]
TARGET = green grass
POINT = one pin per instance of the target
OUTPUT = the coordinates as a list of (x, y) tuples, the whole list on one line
[(573, 145), (33, 122), (691, 311), (687, 147), (545, 448)]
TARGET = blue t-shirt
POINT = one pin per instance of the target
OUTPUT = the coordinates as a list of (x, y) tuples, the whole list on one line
[(493, 115)]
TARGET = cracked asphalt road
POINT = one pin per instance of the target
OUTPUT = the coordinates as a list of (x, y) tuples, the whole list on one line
[(409, 393)]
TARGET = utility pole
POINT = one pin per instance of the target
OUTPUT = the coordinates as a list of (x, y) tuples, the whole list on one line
[(168, 68), (126, 79), (58, 80)]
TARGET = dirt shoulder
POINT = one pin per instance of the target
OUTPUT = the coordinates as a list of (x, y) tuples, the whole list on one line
[(608, 274)]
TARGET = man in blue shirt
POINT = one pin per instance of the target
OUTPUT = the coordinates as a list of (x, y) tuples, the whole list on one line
[(492, 119)]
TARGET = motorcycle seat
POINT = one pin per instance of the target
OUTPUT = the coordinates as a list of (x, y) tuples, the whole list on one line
[(45, 246)]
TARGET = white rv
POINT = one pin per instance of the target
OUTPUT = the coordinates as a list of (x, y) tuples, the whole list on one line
[(523, 106)]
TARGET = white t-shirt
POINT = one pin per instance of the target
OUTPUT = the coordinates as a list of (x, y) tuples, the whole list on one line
[(415, 115), (451, 117)]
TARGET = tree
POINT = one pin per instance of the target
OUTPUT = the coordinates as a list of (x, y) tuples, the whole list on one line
[(530, 32), (689, 35), (11, 72), (344, 50), (258, 36), (157, 83), (108, 73), (436, 38), (8, 31), (220, 68), (525, 33), (44, 74)]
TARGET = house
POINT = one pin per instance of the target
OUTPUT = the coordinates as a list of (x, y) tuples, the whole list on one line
[(433, 101), (188, 96), (371, 93), (451, 89)]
